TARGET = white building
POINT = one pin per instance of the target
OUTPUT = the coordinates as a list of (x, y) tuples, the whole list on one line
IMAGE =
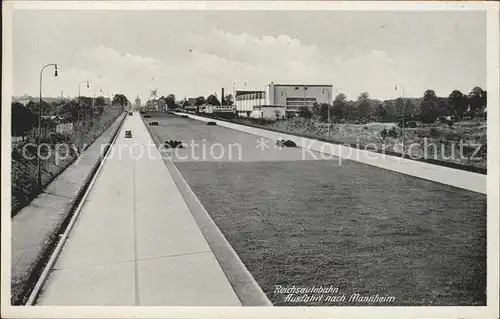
[(268, 112), (290, 96), (244, 101)]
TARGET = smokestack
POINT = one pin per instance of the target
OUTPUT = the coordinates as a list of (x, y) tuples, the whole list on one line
[(222, 97)]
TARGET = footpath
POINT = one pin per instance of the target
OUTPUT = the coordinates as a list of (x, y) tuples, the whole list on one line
[(35, 229)]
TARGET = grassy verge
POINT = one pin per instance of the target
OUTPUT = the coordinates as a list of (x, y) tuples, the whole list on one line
[(430, 141), (355, 227), (359, 229), (24, 163)]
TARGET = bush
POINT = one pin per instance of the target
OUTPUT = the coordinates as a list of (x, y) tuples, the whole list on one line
[(411, 124), (173, 144), (384, 133), (434, 132), (211, 123), (287, 143), (393, 133)]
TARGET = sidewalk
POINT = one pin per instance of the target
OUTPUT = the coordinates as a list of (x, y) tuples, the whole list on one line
[(34, 229), (135, 242)]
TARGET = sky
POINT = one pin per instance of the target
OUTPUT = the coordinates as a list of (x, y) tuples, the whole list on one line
[(193, 53)]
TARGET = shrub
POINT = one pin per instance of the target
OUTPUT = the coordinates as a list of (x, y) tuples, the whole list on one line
[(287, 143), (393, 133), (411, 124), (434, 132), (384, 133), (173, 144)]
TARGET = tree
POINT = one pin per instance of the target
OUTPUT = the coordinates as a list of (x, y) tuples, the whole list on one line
[(429, 107), (100, 101), (305, 112), (444, 108), (120, 99), (378, 112), (388, 115), (229, 100), (322, 112), (458, 103), (70, 110), (23, 119), (200, 100), (477, 100), (212, 100), (170, 101), (339, 106), (85, 108), (363, 107)]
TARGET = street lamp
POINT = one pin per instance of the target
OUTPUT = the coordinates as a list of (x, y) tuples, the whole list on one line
[(403, 115), (39, 175), (286, 103), (329, 122), (77, 127), (305, 89), (93, 109)]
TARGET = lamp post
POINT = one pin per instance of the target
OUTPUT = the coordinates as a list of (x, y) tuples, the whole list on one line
[(78, 113), (305, 89), (403, 115), (286, 103), (93, 110), (39, 174), (329, 122)]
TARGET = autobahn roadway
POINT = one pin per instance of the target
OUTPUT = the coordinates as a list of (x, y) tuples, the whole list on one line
[(284, 212), (135, 242)]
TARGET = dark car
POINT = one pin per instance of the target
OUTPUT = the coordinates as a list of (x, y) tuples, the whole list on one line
[(147, 116), (128, 134), (130, 113)]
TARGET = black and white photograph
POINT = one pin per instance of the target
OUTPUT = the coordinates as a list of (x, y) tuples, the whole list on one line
[(269, 156)]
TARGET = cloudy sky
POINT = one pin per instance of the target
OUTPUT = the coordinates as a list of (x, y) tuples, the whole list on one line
[(197, 52)]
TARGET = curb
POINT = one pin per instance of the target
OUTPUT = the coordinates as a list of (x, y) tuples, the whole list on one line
[(244, 284), (41, 263)]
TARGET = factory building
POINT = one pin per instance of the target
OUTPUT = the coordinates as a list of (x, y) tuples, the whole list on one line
[(246, 100), (291, 97)]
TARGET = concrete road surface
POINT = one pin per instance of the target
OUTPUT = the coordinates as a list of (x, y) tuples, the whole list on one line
[(135, 241)]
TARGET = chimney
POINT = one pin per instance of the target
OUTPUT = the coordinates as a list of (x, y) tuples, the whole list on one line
[(222, 97)]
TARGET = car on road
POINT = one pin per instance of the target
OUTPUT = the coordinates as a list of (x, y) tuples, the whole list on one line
[(130, 113), (128, 134)]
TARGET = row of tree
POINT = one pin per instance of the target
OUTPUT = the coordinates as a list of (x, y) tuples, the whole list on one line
[(201, 100), (24, 118), (426, 109)]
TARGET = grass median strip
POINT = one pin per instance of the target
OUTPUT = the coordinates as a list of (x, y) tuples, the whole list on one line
[(352, 226), (362, 230)]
